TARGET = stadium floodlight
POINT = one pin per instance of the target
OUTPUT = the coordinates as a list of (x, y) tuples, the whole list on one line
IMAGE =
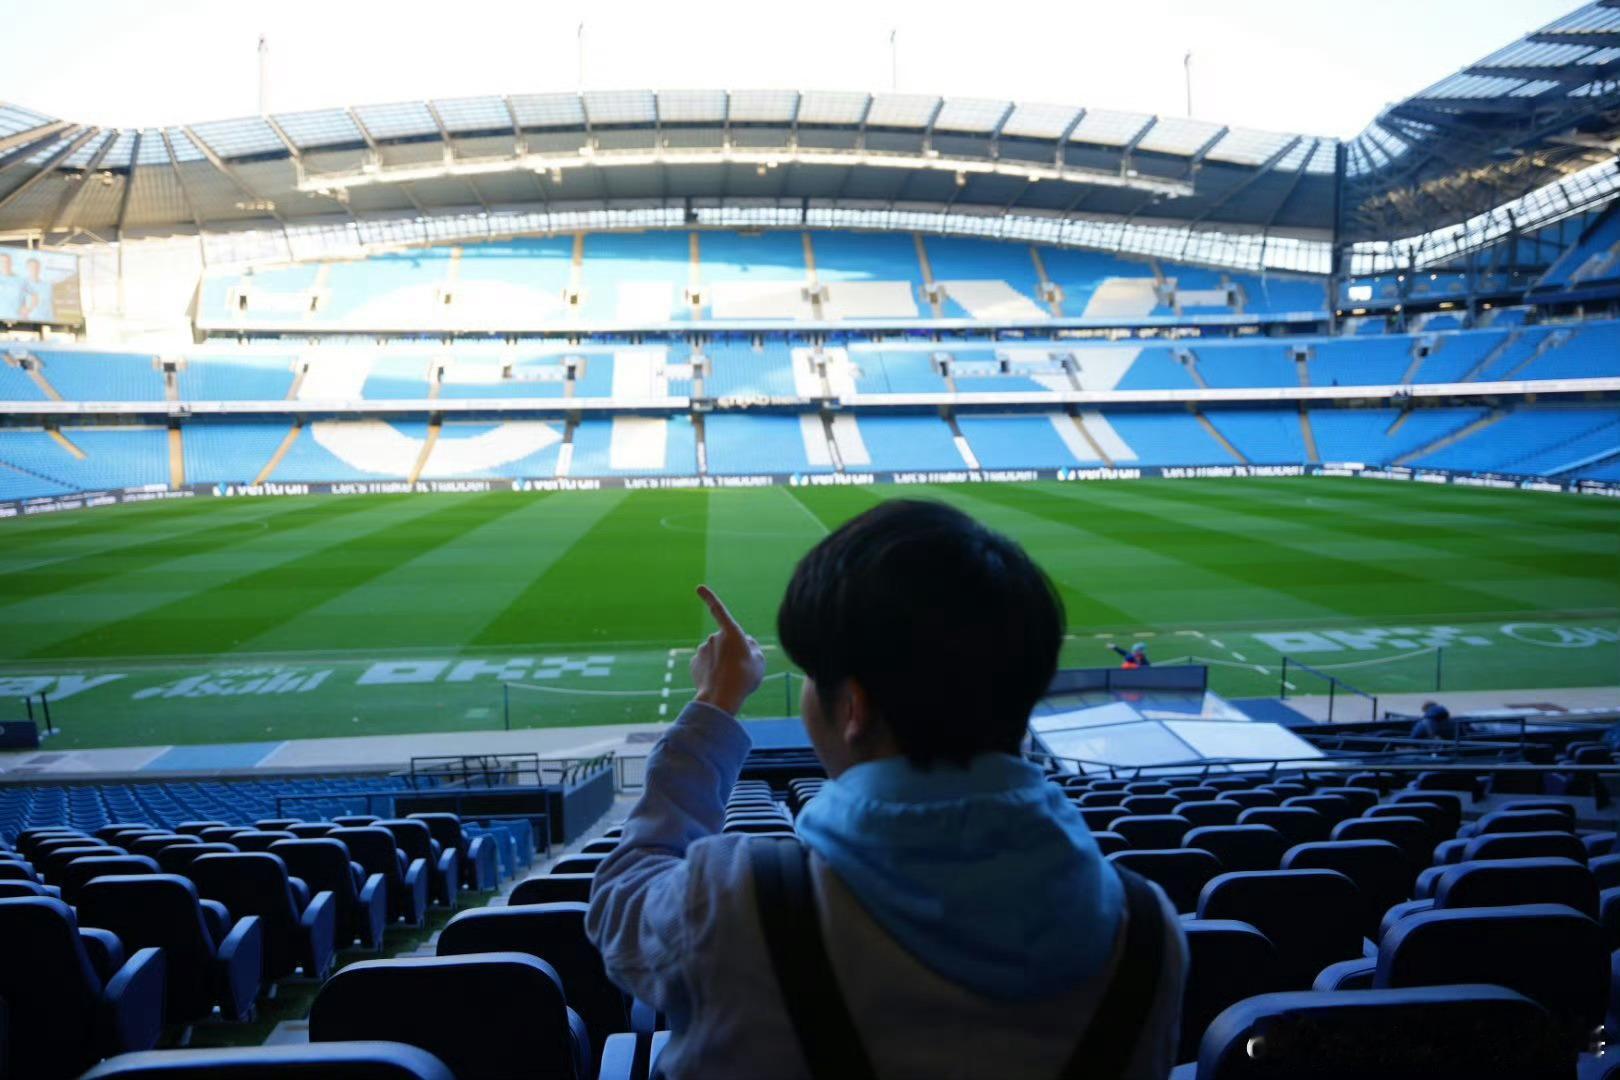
[(589, 156)]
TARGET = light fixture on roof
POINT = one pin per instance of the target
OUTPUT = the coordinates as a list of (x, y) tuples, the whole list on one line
[(556, 176), (961, 179), (759, 170)]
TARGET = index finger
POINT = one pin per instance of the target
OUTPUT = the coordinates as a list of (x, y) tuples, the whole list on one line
[(718, 609)]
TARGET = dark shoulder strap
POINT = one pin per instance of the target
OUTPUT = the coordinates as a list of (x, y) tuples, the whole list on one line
[(1115, 1031), (815, 1005)]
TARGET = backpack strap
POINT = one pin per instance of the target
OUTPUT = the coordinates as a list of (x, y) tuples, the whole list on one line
[(1122, 1015), (815, 1005)]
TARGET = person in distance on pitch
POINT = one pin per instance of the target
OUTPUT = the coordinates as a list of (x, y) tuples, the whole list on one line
[(963, 920)]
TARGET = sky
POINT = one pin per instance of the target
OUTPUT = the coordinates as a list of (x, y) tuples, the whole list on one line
[(1286, 65)]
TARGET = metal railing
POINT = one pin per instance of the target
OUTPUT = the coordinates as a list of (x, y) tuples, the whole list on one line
[(1334, 684)]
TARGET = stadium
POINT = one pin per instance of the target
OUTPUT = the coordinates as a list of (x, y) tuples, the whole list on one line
[(358, 464)]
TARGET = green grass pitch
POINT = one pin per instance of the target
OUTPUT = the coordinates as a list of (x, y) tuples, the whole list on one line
[(258, 620)]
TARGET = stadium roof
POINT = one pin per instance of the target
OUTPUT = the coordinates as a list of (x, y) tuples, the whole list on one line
[(1521, 118), (1546, 106), (638, 148)]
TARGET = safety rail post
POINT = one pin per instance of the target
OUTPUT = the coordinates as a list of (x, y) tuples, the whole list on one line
[(1333, 685), (45, 706), (28, 703), (506, 705), (1282, 686), (1439, 666)]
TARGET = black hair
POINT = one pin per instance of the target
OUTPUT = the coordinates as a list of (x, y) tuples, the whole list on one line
[(949, 626)]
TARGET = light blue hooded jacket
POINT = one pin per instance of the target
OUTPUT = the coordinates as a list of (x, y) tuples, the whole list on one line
[(988, 875)]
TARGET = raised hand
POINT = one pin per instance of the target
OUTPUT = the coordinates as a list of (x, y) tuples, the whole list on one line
[(729, 665)]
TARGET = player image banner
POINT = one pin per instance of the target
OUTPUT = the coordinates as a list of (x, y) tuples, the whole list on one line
[(39, 287)]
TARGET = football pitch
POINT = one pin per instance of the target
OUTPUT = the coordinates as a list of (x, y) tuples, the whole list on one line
[(221, 620)]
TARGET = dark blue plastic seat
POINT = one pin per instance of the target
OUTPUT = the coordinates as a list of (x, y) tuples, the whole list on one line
[(552, 889), (1468, 1032), (260, 840), (296, 935), (362, 900), (577, 864), (1413, 836), (163, 911), (178, 859), (1313, 917), (415, 839), (374, 850), (1361, 799), (1143, 805), (476, 854), (322, 1061), (76, 873), (1227, 961), (1239, 847), (1100, 818), (1521, 821), (1530, 845), (554, 933), (1152, 831), (1298, 824), (1210, 812), (1181, 872), (1333, 808), (1552, 954), (487, 1015), (1381, 872), (63, 1015)]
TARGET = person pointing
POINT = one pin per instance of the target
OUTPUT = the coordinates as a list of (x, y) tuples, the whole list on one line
[(943, 910)]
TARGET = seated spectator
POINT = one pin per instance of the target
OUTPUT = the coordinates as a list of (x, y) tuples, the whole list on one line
[(1435, 723), (955, 917)]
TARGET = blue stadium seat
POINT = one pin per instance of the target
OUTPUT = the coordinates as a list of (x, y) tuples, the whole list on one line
[(1110, 842), (551, 889), (1239, 847), (256, 883), (554, 933), (1227, 961), (83, 870), (1412, 835), (1152, 830), (324, 1061), (260, 839), (577, 864), (1314, 917), (1297, 824), (406, 879), (1520, 821), (476, 854), (414, 838), (1465, 1032), (1181, 872), (497, 1014), (362, 900), (1529, 845), (1499, 883), (1552, 954), (1210, 812), (1381, 872), (163, 911), (63, 1016)]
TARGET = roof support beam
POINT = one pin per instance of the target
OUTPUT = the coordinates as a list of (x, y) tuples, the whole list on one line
[(1592, 39), (129, 183), (248, 194), (33, 136), (47, 167), (1266, 168), (61, 219)]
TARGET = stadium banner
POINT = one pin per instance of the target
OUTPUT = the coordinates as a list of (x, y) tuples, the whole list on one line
[(39, 287), (156, 492)]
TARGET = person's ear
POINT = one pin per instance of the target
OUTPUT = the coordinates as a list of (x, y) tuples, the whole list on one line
[(855, 716)]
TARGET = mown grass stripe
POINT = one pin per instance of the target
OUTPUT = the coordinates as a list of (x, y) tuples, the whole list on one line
[(1348, 586), (237, 610), (117, 561), (630, 576)]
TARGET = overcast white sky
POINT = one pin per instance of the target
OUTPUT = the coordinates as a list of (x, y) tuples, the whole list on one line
[(1291, 65)]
